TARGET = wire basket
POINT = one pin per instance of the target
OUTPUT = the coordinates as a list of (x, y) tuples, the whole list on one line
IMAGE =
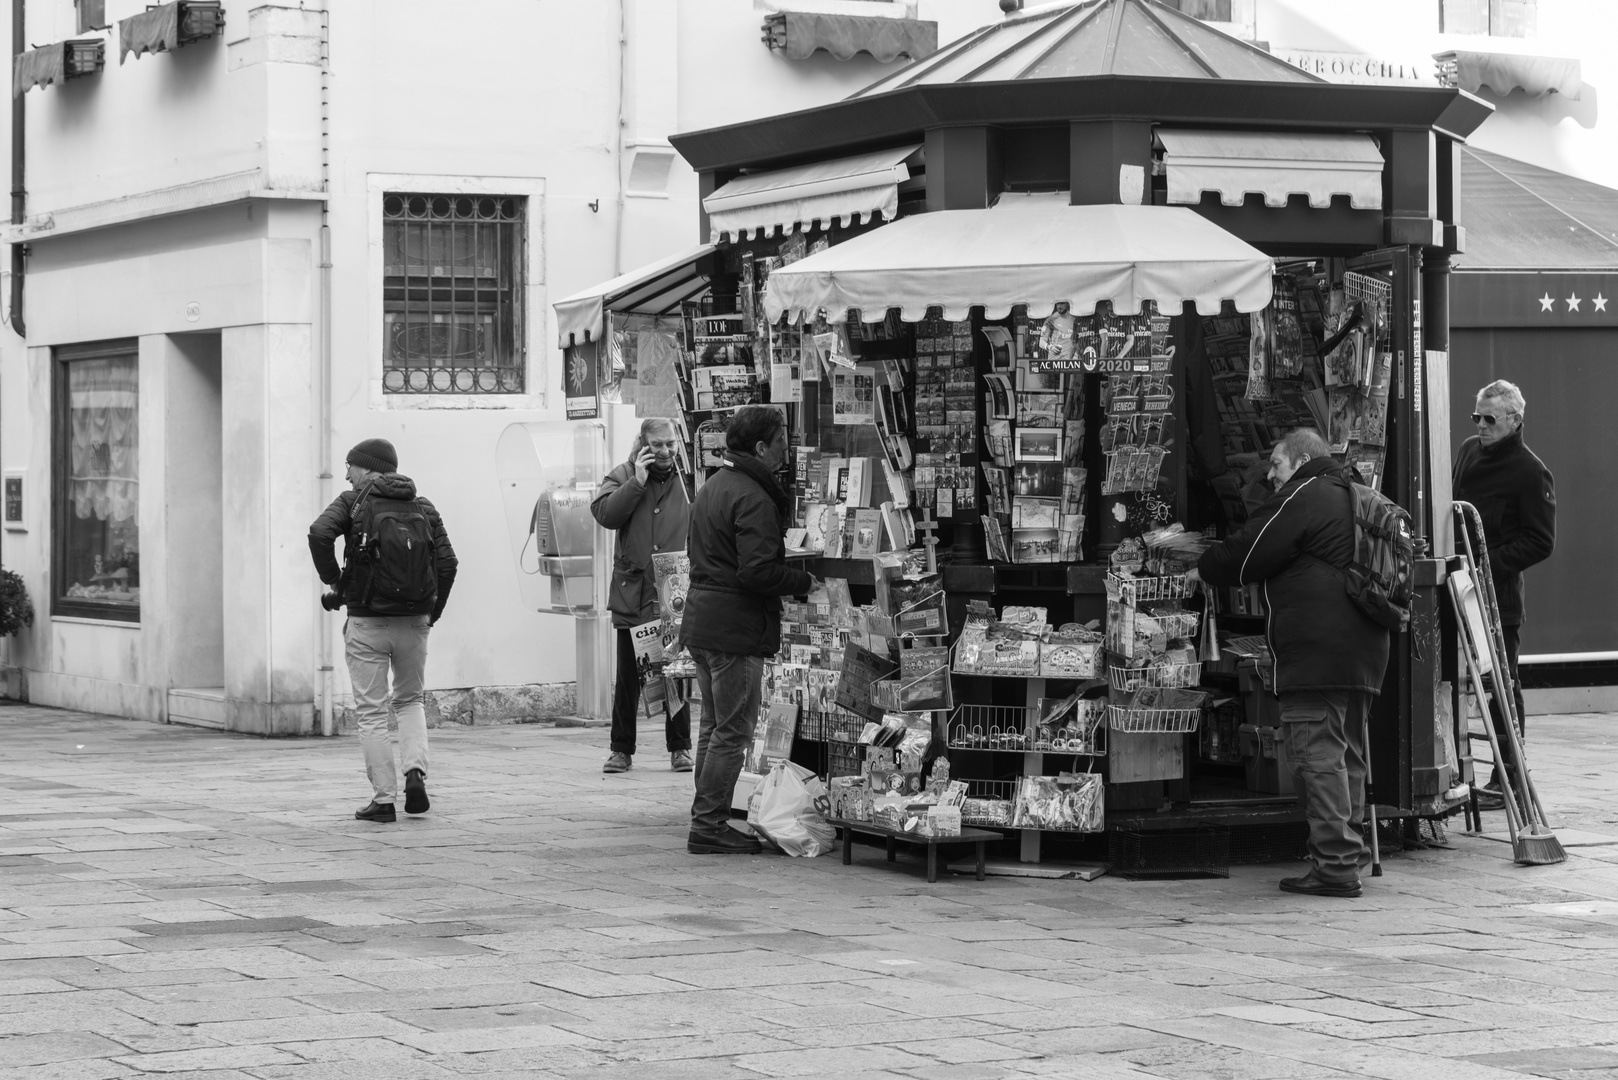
[(1134, 590), (1152, 721), (1177, 624), (1055, 804), (989, 727), (1181, 676), (1078, 731), (988, 803), (811, 726)]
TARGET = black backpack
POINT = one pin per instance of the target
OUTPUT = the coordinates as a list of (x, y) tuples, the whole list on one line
[(1378, 579), (393, 565)]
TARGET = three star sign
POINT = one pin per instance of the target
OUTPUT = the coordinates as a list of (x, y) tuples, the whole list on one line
[(1547, 302)]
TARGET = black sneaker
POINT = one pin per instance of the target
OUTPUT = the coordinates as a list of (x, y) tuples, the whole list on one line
[(727, 841), (376, 811), (1310, 885), (416, 801)]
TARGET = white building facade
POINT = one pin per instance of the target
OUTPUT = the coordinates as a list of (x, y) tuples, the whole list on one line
[(244, 253), (330, 221)]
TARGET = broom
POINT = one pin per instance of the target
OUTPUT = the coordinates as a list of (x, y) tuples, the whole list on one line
[(1534, 844)]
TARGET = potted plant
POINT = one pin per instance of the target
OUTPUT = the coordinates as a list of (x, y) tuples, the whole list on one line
[(16, 610)]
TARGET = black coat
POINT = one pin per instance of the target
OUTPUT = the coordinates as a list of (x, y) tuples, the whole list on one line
[(739, 568), (1297, 544), (337, 520), (1516, 496), (650, 519)]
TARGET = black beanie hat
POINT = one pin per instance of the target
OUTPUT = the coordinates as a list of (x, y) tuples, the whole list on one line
[(377, 455)]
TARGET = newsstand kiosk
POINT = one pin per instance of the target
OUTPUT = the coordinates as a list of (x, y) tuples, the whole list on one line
[(1037, 307)]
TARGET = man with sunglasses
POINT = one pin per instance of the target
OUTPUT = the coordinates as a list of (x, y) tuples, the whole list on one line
[(1516, 496)]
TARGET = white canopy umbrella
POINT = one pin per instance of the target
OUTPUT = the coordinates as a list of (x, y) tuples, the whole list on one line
[(1028, 249)]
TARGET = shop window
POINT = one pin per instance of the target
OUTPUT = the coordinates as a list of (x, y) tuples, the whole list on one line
[(96, 481), (452, 298), (1491, 18)]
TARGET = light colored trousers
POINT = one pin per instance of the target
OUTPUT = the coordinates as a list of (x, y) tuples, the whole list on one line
[(374, 643)]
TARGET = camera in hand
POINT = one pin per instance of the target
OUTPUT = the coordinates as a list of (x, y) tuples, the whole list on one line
[(331, 600)]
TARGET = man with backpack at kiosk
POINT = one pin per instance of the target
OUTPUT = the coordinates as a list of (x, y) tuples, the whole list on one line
[(1334, 558), (398, 571)]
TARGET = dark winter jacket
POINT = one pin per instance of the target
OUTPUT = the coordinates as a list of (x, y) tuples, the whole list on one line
[(1297, 544), (339, 519), (650, 518), (739, 568), (1516, 496)]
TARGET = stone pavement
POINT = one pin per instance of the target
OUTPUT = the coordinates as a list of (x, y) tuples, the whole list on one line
[(200, 904)]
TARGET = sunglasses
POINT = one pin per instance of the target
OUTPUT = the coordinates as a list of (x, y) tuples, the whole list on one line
[(1479, 418)]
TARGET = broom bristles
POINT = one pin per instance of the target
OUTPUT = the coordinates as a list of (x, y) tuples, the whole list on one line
[(1539, 848)]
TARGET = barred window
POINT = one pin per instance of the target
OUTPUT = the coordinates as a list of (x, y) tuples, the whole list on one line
[(452, 293)]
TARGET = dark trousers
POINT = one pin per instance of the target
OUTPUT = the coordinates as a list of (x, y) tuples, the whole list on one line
[(1325, 733), (731, 688), (1513, 636), (626, 705)]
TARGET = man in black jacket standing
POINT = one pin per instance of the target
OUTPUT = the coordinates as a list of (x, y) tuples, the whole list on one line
[(732, 617), (1330, 659), (1516, 496), (386, 628)]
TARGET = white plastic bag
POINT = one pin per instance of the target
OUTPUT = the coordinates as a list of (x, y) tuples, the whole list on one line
[(786, 809)]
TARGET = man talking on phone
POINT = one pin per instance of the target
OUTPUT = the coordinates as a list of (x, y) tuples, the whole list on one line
[(644, 500)]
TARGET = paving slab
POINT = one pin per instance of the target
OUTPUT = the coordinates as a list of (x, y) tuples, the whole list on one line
[(197, 903)]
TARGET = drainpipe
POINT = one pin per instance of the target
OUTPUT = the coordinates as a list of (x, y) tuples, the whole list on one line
[(19, 151), (623, 125), (323, 432)]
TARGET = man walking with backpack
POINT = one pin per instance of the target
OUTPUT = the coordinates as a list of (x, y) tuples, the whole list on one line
[(1330, 656), (398, 571)]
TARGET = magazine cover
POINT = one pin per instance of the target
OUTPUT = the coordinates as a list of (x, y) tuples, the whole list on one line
[(673, 571)]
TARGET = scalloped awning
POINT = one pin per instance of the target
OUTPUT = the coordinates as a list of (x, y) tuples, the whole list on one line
[(798, 35), (844, 190), (654, 289), (1536, 76), (1028, 249), (1274, 164), (38, 67)]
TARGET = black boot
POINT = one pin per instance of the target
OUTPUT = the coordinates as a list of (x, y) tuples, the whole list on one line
[(726, 841), (416, 793)]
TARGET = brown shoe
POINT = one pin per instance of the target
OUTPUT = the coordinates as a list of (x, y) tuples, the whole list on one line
[(616, 762), (680, 761)]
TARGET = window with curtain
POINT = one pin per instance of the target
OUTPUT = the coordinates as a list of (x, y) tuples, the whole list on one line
[(96, 490)]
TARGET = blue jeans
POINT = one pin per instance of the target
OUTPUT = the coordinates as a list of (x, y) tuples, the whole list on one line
[(730, 687)]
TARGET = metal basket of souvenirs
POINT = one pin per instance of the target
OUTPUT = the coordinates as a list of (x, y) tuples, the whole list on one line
[(1162, 675), (989, 727), (1134, 590), (988, 802), (1152, 721)]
